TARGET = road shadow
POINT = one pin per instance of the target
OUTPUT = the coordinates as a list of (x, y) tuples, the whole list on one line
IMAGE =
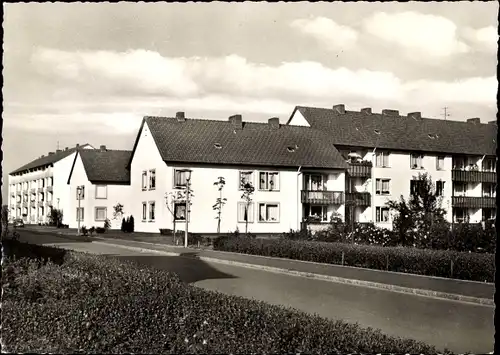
[(35, 237), (189, 268)]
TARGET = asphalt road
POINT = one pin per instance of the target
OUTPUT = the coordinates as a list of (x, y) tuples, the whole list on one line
[(457, 326)]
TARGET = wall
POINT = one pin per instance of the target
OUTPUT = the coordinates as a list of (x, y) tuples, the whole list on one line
[(62, 196), (115, 194), (298, 120)]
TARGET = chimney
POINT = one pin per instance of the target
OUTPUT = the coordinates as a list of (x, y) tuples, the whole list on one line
[(388, 112), (58, 151), (103, 148), (237, 122), (42, 156), (51, 153), (66, 148), (180, 116), (493, 122), (474, 120), (77, 145), (339, 108), (415, 115), (274, 123), (367, 110)]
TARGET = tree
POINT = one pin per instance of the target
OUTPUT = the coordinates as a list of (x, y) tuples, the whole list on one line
[(117, 211), (56, 217), (420, 212), (248, 191), (170, 198), (131, 226), (220, 202)]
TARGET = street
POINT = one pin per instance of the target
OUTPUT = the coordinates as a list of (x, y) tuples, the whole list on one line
[(458, 326)]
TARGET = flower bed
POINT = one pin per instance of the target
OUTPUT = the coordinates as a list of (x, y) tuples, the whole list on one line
[(96, 304), (442, 263)]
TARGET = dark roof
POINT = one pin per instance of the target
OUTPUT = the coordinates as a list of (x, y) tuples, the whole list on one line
[(258, 144), (106, 166), (47, 160), (355, 128)]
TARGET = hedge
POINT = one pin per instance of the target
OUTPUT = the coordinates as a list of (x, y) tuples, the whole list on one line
[(442, 263), (98, 304)]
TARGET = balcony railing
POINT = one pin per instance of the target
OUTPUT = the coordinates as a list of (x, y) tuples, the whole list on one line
[(33, 190), (473, 176), (322, 197), (40, 189), (32, 203), (362, 169), (358, 198), (40, 203), (473, 202), (49, 188)]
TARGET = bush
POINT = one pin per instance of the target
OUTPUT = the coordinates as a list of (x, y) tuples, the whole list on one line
[(467, 266), (16, 250), (128, 224), (107, 224), (100, 230), (55, 217), (95, 304)]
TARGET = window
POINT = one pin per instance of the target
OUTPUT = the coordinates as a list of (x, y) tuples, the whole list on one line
[(315, 182), (439, 163), (269, 181), (245, 178), (51, 181), (440, 188), (180, 211), (459, 163), (382, 214), (180, 178), (101, 191), (382, 186), (268, 212), (319, 212), (81, 195), (460, 188), (144, 180), (79, 213), (460, 215), (489, 189), (245, 214), (489, 214), (416, 161), (144, 211), (152, 179), (382, 159), (489, 164), (152, 211), (416, 187), (100, 213)]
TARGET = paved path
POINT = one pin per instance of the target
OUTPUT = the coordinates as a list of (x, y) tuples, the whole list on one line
[(458, 326)]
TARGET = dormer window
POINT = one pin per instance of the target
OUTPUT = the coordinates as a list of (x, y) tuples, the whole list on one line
[(217, 146), (376, 131), (431, 136), (292, 149)]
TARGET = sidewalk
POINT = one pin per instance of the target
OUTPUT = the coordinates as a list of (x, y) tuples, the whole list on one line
[(467, 291)]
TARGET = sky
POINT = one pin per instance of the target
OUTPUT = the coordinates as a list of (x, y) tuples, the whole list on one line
[(88, 72)]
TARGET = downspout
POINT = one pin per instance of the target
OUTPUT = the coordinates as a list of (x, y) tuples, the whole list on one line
[(373, 184), (299, 205)]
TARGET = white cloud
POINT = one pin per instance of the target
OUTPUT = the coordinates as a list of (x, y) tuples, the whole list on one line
[(485, 38), (422, 34), (327, 32), (216, 88)]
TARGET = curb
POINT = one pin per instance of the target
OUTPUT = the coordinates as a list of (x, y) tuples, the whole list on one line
[(354, 282)]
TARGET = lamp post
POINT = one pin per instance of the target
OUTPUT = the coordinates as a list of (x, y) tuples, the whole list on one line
[(188, 189), (79, 194)]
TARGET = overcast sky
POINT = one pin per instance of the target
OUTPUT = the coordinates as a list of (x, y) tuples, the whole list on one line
[(84, 72)]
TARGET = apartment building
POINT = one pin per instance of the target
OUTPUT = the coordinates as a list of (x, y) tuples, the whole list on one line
[(386, 151), (98, 181), (286, 165), (37, 187)]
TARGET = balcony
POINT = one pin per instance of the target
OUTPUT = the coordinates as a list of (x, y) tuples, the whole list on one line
[(49, 203), (33, 203), (361, 169), (40, 189), (473, 202), (322, 197), (33, 190), (358, 198), (40, 203), (473, 176), (49, 188)]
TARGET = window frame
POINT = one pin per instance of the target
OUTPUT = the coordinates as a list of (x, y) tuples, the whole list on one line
[(383, 154), (378, 214), (440, 157), (251, 212), (175, 185), (96, 214), (105, 192), (78, 219), (144, 180), (251, 180), (380, 192), (144, 211), (267, 174), (324, 212), (442, 183), (151, 209), (267, 204), (152, 179), (179, 203), (418, 160)]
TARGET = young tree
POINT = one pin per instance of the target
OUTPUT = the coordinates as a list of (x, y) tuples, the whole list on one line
[(170, 198), (220, 202), (56, 217), (420, 212), (248, 191)]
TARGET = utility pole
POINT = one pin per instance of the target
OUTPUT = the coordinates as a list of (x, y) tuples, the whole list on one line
[(446, 114)]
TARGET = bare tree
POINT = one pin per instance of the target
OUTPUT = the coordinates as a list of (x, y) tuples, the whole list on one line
[(170, 198), (220, 202), (248, 191)]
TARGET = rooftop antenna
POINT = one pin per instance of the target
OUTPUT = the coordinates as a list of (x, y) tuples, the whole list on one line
[(446, 114)]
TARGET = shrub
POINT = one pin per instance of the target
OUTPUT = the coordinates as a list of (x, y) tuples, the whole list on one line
[(94, 304), (92, 230), (84, 231), (131, 226), (55, 217), (107, 224), (467, 266), (124, 225), (100, 230)]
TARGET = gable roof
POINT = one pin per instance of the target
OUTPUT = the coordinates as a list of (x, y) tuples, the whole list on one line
[(354, 128), (218, 142), (48, 160), (105, 166)]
